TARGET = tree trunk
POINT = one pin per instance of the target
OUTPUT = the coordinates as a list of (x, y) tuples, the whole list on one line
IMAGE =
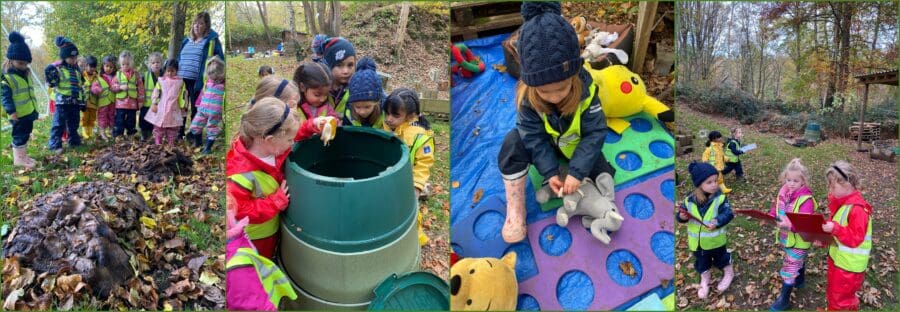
[(177, 29), (262, 15), (292, 21), (401, 28), (309, 14), (336, 17), (323, 23)]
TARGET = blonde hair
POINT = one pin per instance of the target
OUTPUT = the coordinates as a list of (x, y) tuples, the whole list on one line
[(264, 115), (734, 131), (796, 166), (154, 56), (126, 56), (215, 69), (700, 196), (833, 175), (567, 106), (269, 84)]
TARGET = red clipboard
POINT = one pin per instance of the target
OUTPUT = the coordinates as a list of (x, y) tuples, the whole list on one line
[(756, 214), (809, 226)]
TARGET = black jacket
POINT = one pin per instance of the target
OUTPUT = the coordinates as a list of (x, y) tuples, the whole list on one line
[(541, 146)]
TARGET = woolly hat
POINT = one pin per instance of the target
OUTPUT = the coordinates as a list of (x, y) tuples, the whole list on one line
[(66, 47), (336, 50), (700, 171), (18, 49), (548, 46), (365, 85)]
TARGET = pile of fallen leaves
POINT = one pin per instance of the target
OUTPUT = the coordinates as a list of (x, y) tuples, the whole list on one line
[(154, 163), (69, 237), (173, 245)]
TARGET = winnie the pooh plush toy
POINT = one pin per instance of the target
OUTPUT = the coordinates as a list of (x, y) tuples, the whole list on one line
[(484, 284), (622, 93)]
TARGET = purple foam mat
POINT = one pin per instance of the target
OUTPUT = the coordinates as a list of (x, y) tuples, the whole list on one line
[(589, 256)]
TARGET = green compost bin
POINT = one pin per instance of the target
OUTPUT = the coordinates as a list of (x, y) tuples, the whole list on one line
[(351, 218)]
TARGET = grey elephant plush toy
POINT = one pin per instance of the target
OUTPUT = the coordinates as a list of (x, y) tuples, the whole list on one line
[(594, 200)]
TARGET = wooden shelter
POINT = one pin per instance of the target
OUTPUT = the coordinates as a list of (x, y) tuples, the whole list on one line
[(885, 77)]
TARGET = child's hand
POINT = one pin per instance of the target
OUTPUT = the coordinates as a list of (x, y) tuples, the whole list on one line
[(555, 184), (321, 121), (571, 185), (785, 224), (828, 227), (154, 108), (683, 214), (712, 224), (284, 188), (14, 116)]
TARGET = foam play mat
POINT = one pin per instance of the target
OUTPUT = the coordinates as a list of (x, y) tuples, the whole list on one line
[(562, 268)]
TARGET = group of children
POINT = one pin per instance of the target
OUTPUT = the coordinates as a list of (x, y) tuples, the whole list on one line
[(707, 213), (339, 89), (108, 95)]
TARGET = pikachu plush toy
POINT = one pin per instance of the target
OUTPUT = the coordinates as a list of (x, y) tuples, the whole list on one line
[(622, 93)]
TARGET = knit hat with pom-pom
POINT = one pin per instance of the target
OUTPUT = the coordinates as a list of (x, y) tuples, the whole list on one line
[(548, 45), (18, 50), (66, 47), (365, 85)]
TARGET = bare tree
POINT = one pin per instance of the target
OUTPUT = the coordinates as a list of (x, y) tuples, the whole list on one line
[(310, 13), (263, 14), (700, 24), (401, 27)]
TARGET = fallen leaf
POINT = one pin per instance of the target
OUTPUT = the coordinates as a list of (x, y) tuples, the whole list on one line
[(208, 278), (148, 222), (174, 243), (627, 268), (477, 197), (10, 303), (455, 184)]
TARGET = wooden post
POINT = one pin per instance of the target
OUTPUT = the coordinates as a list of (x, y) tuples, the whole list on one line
[(646, 14), (862, 114)]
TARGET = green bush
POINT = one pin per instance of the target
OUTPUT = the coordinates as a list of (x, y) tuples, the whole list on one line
[(720, 100), (243, 35)]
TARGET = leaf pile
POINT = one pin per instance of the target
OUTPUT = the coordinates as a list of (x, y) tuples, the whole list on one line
[(154, 163), (74, 230)]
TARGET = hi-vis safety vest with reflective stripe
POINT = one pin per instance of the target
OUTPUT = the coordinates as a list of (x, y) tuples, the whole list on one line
[(793, 239), (65, 85), (712, 156), (699, 234), (261, 185), (418, 142), (847, 258), (729, 155), (150, 85), (22, 94), (570, 139), (274, 282), (131, 83), (341, 106), (378, 122), (106, 96)]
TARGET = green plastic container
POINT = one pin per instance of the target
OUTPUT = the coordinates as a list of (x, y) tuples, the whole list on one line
[(416, 291), (813, 131), (351, 218)]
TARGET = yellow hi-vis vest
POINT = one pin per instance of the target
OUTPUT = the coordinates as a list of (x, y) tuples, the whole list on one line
[(132, 91), (699, 235), (729, 155), (274, 282), (341, 106), (261, 185), (65, 85), (22, 94), (150, 85), (570, 139), (418, 142), (847, 258), (793, 239)]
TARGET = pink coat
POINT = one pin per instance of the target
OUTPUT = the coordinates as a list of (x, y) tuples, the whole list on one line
[(243, 290), (785, 201), (168, 113)]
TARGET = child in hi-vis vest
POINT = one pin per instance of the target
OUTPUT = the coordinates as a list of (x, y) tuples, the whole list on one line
[(851, 225), (706, 212), (794, 196)]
